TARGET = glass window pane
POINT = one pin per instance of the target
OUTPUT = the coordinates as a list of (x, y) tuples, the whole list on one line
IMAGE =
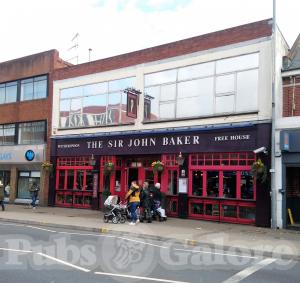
[(75, 113), (229, 184), (247, 185), (168, 92), (154, 102), (121, 84), (26, 90), (247, 88), (197, 183), (40, 78), (2, 94), (61, 181), (225, 84), (160, 77), (237, 63), (89, 180), (36, 174), (196, 71), (70, 180), (71, 92), (188, 107), (32, 133), (64, 112), (11, 92), (24, 174), (8, 134), (197, 208), (225, 104), (212, 184), (172, 182), (229, 211), (247, 212), (167, 111), (40, 89), (95, 89), (94, 110)]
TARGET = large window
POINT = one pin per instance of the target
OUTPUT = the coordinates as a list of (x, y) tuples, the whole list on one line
[(95, 105), (7, 134), (32, 133), (8, 92), (34, 88), (223, 86), (25, 181)]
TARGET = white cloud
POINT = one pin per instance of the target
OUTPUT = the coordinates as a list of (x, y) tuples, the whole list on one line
[(37, 25)]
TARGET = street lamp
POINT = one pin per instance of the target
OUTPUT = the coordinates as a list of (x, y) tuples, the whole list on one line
[(180, 159)]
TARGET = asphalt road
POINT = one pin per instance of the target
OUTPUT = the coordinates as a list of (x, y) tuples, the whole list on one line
[(40, 254)]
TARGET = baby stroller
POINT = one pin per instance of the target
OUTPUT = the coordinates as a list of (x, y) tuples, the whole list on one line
[(115, 212)]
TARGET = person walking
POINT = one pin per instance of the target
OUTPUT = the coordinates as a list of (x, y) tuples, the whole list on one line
[(133, 196), (34, 191), (2, 196)]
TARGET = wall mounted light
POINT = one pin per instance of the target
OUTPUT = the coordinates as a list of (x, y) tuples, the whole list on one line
[(92, 160), (180, 159)]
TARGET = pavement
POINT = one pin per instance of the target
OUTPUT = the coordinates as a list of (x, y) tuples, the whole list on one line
[(230, 237)]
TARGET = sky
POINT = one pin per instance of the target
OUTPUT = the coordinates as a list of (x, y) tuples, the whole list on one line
[(113, 27)]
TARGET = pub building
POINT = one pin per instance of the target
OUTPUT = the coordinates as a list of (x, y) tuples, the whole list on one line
[(200, 106)]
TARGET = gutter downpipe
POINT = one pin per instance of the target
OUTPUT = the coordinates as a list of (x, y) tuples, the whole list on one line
[(272, 170)]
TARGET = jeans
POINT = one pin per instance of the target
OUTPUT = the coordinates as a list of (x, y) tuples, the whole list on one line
[(34, 198), (132, 208)]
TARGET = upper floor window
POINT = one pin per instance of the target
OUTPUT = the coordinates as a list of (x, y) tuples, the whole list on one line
[(224, 86), (97, 104), (34, 88), (32, 133), (7, 134), (8, 92)]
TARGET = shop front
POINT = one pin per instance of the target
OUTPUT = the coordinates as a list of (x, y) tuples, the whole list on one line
[(290, 148), (205, 172), (20, 166)]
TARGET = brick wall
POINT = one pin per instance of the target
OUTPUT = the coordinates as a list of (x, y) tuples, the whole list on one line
[(182, 47), (291, 96)]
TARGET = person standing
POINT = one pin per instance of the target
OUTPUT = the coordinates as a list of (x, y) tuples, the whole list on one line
[(133, 196), (2, 196), (34, 191)]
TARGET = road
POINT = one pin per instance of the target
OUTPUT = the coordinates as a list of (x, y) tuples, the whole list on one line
[(45, 254)]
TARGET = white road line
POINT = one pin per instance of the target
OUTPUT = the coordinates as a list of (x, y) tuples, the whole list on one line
[(225, 254), (64, 262), (10, 224), (139, 277), (43, 229), (83, 234), (249, 271), (14, 250), (141, 242)]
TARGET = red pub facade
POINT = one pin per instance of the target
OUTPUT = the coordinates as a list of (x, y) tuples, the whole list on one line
[(202, 108)]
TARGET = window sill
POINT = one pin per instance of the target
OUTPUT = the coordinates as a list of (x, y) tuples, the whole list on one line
[(95, 127), (200, 117)]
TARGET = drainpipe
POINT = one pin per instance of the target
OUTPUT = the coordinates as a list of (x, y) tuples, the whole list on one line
[(272, 170), (293, 101)]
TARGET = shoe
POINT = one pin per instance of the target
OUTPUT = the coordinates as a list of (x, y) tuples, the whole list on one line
[(34, 207), (138, 220), (132, 223)]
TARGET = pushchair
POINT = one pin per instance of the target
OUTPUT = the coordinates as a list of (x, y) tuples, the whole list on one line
[(115, 212)]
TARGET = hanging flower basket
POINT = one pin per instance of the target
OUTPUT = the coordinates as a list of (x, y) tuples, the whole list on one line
[(259, 171), (47, 166), (157, 166), (109, 167)]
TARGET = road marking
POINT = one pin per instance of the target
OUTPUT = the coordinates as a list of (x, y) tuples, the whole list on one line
[(38, 228), (64, 262), (141, 242), (139, 277), (226, 254), (249, 270), (85, 234), (14, 250), (10, 224)]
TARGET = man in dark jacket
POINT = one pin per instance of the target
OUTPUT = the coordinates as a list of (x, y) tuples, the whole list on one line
[(34, 191)]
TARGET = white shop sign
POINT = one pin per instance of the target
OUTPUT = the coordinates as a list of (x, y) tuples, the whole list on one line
[(16, 154)]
